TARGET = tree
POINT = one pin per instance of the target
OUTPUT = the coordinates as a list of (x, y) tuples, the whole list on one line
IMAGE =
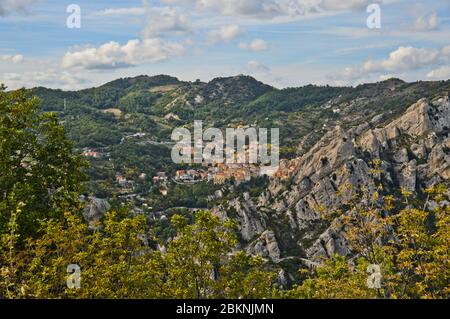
[(424, 248), (117, 261), (39, 173), (410, 247), (336, 278), (114, 260), (201, 262)]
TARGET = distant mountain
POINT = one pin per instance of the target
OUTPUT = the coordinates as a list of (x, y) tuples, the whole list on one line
[(142, 82), (166, 102), (234, 90)]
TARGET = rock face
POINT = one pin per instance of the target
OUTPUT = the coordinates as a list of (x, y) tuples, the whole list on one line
[(251, 223), (329, 243), (413, 151), (266, 246), (94, 210)]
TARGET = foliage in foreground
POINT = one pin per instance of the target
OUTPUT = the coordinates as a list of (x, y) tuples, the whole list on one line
[(410, 248), (115, 262), (38, 172)]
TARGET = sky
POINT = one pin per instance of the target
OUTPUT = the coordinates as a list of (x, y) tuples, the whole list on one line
[(285, 43)]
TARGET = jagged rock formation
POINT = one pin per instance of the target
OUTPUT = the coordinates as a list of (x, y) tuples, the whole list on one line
[(266, 245), (94, 210), (413, 150)]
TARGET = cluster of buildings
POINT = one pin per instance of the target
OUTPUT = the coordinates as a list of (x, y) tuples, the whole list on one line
[(219, 173), (287, 167), (160, 177), (87, 152), (124, 182), (239, 172), (191, 175)]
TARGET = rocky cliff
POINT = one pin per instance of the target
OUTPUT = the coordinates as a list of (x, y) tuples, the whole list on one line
[(412, 151)]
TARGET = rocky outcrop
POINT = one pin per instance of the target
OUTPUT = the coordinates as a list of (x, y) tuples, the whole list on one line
[(413, 151), (94, 210), (266, 246), (251, 221), (330, 243)]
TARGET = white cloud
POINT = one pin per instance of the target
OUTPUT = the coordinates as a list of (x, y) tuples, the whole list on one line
[(442, 73), (339, 5), (127, 11), (15, 6), (231, 7), (255, 67), (404, 59), (16, 59), (165, 19), (427, 22), (224, 34), (49, 78), (400, 60), (255, 45), (269, 9), (131, 11), (112, 55)]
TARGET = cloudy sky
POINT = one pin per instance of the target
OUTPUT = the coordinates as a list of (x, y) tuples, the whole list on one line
[(281, 42)]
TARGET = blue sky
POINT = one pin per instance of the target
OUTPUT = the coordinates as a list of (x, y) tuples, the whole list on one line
[(281, 42)]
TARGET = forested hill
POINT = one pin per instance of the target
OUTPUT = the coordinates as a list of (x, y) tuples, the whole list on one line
[(101, 116)]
